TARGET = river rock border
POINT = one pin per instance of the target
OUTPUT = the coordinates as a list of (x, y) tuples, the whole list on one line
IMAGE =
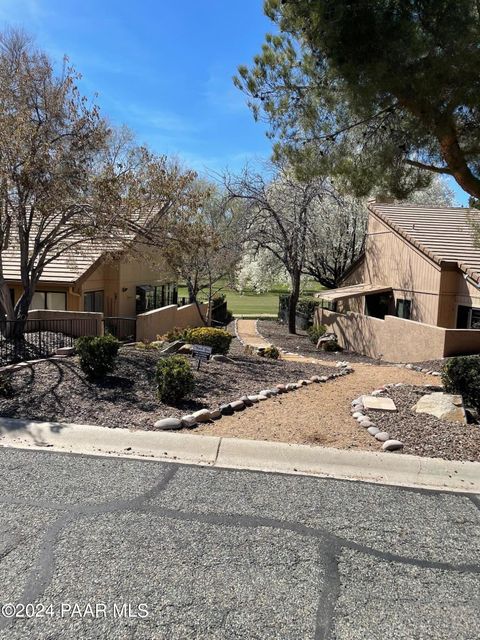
[(207, 415), (415, 367), (360, 415)]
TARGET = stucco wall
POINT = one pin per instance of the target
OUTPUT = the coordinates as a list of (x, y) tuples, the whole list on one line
[(75, 323), (398, 340), (159, 321)]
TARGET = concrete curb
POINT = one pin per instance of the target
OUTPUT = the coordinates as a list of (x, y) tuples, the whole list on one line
[(383, 468)]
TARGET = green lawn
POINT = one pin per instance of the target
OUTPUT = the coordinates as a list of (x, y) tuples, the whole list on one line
[(250, 303)]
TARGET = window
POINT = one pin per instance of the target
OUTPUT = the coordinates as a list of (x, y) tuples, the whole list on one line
[(93, 301), (151, 297), (468, 317), (404, 309), (53, 300)]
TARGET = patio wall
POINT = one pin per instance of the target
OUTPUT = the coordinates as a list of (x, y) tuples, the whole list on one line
[(397, 340), (159, 321), (91, 323)]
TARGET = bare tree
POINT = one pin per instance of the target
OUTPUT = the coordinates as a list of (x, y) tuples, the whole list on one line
[(205, 243), (66, 178), (281, 212)]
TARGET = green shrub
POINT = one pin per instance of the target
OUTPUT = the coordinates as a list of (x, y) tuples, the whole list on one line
[(218, 339), (305, 308), (270, 352), (331, 345), (316, 332), (462, 375), (98, 355), (6, 387), (173, 335), (174, 379)]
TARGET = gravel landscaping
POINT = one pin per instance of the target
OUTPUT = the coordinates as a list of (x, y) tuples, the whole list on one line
[(59, 391), (425, 435), (300, 343)]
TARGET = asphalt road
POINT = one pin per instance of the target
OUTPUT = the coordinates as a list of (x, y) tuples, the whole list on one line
[(112, 548)]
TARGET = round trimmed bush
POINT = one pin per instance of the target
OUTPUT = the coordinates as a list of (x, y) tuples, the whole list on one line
[(461, 375), (175, 379), (218, 339), (98, 355)]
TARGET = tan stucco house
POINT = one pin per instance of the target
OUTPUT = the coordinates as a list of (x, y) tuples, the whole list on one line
[(92, 279), (414, 294)]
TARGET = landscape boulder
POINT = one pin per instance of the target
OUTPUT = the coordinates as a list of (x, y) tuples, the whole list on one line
[(168, 424), (172, 347), (392, 445), (219, 357), (202, 415), (444, 406)]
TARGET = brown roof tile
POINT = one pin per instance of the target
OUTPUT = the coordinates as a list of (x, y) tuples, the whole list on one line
[(442, 233)]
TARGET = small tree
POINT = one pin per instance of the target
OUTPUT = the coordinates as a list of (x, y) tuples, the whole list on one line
[(205, 242)]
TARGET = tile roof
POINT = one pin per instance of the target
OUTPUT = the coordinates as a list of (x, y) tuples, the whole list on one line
[(442, 233)]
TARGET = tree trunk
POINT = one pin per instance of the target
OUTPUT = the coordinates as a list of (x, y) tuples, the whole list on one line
[(21, 314), (293, 301)]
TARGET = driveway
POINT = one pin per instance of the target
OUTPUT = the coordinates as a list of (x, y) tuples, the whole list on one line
[(115, 548)]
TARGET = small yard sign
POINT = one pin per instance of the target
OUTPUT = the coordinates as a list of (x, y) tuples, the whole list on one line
[(202, 353)]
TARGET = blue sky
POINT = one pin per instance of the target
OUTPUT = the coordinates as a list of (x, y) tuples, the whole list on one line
[(164, 68)]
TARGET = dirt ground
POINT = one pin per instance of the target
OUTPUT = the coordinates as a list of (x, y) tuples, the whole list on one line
[(318, 414)]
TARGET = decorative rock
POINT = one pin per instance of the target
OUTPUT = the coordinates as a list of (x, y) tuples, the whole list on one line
[(216, 414), (444, 406), (436, 374), (357, 414), (361, 418), (253, 399), (274, 392), (188, 421), (323, 379), (226, 410), (308, 381), (409, 366), (281, 388), (366, 423), (246, 401), (291, 386), (203, 415), (377, 392), (265, 392), (261, 396), (379, 404), (315, 379), (392, 445), (172, 347), (168, 424), (219, 357), (65, 351), (185, 349), (237, 405), (373, 431), (302, 382), (382, 436)]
